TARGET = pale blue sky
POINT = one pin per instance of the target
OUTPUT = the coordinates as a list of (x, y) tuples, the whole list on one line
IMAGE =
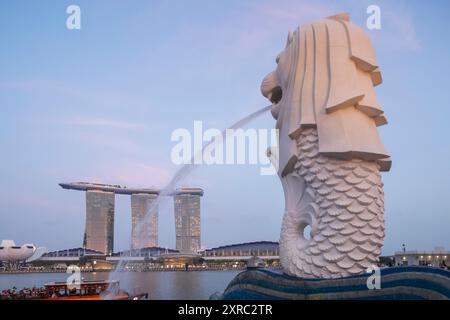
[(101, 103)]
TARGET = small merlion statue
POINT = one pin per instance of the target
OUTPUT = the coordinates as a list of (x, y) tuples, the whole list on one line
[(330, 154)]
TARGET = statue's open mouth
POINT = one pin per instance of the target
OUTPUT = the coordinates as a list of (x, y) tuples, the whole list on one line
[(271, 89), (275, 95)]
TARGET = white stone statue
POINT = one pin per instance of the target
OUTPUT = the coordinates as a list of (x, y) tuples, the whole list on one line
[(330, 154)]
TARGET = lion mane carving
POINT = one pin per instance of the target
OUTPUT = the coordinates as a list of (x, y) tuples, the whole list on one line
[(330, 154)]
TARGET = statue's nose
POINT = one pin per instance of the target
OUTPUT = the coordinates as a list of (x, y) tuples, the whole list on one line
[(269, 84)]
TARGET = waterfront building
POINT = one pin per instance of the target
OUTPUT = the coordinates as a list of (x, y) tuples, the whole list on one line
[(96, 259), (99, 230), (439, 257), (262, 249), (71, 254), (235, 256), (239, 255), (144, 221), (187, 219), (84, 258), (144, 253)]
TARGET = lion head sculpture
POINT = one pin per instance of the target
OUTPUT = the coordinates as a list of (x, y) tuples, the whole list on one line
[(325, 78)]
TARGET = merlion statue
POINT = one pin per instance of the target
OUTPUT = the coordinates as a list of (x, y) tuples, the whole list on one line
[(330, 154)]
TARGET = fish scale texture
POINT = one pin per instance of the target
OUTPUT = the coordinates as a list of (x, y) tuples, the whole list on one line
[(344, 202)]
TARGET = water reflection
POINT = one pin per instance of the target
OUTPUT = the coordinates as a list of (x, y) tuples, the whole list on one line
[(168, 285)]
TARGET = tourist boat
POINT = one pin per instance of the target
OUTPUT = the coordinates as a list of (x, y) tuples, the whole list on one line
[(86, 290), (90, 290)]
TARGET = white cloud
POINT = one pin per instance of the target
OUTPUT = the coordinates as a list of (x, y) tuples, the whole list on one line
[(398, 25), (83, 96), (121, 144), (135, 175), (293, 11), (33, 201), (256, 26), (261, 24), (106, 123), (398, 30)]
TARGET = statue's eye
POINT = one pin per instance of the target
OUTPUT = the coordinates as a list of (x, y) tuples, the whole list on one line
[(277, 59)]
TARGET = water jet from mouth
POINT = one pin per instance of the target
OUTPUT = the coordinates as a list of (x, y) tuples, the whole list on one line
[(170, 188)]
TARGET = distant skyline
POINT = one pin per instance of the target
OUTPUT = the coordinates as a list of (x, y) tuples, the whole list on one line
[(100, 104)]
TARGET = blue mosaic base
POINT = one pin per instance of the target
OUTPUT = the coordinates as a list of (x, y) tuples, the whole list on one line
[(397, 283)]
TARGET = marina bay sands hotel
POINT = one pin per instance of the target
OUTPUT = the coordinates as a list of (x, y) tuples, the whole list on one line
[(99, 229)]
